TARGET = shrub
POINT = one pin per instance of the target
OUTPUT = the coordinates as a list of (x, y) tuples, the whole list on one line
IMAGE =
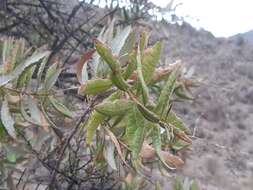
[(134, 126)]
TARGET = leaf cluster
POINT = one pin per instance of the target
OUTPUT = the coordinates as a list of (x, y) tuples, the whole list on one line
[(134, 126)]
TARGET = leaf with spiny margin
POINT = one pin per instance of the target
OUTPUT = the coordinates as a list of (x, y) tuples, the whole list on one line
[(135, 131), (34, 58), (7, 119), (52, 75), (167, 92), (60, 107), (115, 108), (96, 119), (96, 86), (150, 59)]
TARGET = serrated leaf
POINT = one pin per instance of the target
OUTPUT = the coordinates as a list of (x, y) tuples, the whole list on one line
[(21, 67), (115, 108), (96, 86), (149, 61), (7, 119), (135, 131), (60, 107), (51, 77), (167, 92)]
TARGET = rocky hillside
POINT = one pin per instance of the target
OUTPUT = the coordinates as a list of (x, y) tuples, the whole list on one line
[(222, 115)]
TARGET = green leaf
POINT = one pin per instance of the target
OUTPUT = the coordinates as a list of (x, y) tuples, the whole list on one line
[(106, 54), (7, 119), (10, 155), (113, 63), (26, 76), (149, 61), (60, 107), (93, 123), (118, 107), (96, 119), (178, 184), (194, 185), (157, 143), (167, 92), (21, 67), (174, 120), (51, 77), (135, 131), (96, 86), (144, 88)]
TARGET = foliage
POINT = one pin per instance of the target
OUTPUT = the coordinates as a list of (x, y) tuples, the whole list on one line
[(28, 99), (134, 127), (132, 124)]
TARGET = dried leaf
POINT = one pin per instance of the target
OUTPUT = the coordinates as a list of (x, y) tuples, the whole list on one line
[(80, 66)]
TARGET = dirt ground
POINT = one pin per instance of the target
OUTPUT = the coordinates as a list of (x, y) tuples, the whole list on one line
[(221, 118)]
